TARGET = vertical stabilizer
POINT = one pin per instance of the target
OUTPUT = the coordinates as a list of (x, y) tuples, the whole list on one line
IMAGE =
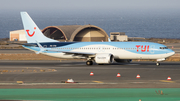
[(33, 33)]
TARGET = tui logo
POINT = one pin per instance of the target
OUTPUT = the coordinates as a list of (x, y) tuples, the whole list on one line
[(32, 33), (142, 48)]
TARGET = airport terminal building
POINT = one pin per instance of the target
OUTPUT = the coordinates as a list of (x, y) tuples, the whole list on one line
[(84, 33)]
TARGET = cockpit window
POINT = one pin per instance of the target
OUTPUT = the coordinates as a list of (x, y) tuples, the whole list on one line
[(163, 47)]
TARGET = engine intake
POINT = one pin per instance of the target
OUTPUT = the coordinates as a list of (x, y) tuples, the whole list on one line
[(104, 58)]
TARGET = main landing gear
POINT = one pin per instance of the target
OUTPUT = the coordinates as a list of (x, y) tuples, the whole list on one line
[(89, 62)]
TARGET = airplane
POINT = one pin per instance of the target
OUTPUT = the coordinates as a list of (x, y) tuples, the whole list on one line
[(98, 52)]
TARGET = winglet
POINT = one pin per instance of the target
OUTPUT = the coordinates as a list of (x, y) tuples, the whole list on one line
[(109, 40), (41, 48)]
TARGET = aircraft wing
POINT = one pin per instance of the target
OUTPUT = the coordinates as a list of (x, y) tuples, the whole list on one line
[(75, 53), (42, 49)]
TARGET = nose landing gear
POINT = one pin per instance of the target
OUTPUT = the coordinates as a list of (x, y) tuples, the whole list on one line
[(157, 63), (158, 60)]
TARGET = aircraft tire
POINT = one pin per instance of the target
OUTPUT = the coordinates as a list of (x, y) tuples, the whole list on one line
[(89, 63), (157, 64)]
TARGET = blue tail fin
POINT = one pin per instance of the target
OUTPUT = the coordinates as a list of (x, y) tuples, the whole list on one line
[(33, 33)]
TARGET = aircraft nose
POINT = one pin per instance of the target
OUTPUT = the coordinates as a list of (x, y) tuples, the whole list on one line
[(171, 52)]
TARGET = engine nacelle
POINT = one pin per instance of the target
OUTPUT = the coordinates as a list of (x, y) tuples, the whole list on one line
[(104, 58), (123, 60)]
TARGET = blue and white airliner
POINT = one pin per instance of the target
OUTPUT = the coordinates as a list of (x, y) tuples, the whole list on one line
[(99, 52)]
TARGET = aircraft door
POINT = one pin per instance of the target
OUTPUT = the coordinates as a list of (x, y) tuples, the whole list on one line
[(101, 49), (115, 37), (152, 47)]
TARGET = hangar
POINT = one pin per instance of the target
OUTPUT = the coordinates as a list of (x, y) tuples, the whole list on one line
[(85, 33), (17, 35), (76, 33)]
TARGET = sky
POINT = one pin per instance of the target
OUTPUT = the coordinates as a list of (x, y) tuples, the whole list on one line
[(86, 5)]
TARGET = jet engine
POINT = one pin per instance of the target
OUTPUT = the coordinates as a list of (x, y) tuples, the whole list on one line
[(123, 60), (104, 58)]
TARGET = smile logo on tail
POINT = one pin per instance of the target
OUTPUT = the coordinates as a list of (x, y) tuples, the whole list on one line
[(32, 33)]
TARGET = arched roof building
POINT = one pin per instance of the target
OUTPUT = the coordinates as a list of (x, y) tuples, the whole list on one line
[(76, 33)]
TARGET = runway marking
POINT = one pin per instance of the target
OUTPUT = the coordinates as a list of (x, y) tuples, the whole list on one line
[(98, 81), (167, 81)]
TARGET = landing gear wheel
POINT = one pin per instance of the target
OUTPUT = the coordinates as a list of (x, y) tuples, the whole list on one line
[(89, 63), (157, 63)]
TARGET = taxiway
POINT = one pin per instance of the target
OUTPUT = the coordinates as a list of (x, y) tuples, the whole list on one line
[(53, 73)]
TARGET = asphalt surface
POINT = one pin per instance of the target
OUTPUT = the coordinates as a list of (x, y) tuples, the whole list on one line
[(52, 74)]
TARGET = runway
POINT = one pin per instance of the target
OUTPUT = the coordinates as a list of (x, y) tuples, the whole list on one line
[(51, 74)]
